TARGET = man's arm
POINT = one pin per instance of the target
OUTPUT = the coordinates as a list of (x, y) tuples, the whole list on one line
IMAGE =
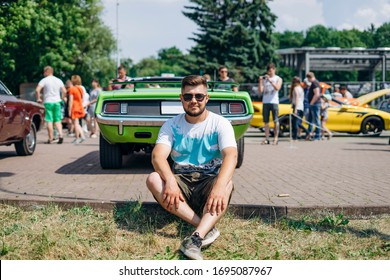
[(260, 86), (217, 201), (316, 95), (38, 93), (277, 85), (172, 194), (63, 91)]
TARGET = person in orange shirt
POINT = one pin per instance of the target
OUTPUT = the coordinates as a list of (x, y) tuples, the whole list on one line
[(76, 108)]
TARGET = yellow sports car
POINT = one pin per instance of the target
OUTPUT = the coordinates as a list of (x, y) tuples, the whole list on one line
[(343, 117)]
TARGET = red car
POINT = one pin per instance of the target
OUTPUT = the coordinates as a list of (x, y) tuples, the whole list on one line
[(19, 122)]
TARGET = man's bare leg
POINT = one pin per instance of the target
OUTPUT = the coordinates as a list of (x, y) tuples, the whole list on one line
[(276, 132), (59, 128), (50, 130), (208, 221), (156, 185)]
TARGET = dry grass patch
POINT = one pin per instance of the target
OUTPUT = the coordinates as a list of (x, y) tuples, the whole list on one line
[(134, 232)]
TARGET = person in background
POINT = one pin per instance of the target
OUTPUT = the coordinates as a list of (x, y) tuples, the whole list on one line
[(269, 86), (76, 108), (224, 77), (93, 96), (207, 77), (306, 104), (314, 96), (345, 93), (324, 115), (198, 187), (67, 118), (53, 90), (336, 92), (121, 78), (297, 96)]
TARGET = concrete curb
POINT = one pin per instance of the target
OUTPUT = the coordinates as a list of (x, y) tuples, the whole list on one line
[(241, 210)]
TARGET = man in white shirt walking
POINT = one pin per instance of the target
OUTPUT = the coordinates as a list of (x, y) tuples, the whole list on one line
[(53, 90)]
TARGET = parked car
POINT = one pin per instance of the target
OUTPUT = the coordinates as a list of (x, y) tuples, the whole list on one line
[(343, 117), (384, 105), (19, 122), (366, 99), (130, 119)]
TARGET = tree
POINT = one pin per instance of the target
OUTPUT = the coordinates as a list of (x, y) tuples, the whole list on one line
[(68, 35), (169, 60), (235, 33), (382, 36), (289, 39)]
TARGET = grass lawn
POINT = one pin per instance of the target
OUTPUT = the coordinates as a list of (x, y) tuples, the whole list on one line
[(134, 232)]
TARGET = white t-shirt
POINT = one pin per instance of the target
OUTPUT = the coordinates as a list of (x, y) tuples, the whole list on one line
[(197, 147), (300, 95), (51, 89), (270, 95), (85, 97)]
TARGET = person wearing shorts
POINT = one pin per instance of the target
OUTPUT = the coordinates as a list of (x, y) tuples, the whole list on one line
[(53, 91), (269, 86), (198, 186)]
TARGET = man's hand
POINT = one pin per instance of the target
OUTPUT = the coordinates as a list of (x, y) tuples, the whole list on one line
[(217, 202), (172, 195)]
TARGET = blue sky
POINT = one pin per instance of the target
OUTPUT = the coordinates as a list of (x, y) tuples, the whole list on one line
[(146, 26)]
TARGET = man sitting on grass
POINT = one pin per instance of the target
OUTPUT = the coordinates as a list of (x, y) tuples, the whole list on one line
[(204, 150)]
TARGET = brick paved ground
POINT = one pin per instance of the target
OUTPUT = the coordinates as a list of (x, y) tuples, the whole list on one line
[(346, 172)]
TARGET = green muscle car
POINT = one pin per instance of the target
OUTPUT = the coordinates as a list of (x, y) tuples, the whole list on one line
[(130, 118)]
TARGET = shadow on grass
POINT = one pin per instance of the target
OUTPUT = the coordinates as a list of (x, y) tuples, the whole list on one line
[(149, 218), (330, 224)]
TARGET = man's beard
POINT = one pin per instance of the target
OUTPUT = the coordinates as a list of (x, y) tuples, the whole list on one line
[(193, 114)]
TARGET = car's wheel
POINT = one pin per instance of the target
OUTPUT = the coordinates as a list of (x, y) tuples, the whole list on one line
[(26, 147), (372, 126), (240, 151), (110, 154), (284, 126)]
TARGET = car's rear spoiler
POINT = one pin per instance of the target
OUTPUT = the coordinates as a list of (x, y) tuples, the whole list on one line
[(174, 81)]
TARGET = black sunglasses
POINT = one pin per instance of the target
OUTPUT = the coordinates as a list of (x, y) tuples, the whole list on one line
[(198, 96)]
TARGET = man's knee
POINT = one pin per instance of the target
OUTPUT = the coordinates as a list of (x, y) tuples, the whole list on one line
[(153, 181)]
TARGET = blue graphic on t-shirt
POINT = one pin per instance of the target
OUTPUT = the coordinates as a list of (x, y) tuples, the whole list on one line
[(196, 151)]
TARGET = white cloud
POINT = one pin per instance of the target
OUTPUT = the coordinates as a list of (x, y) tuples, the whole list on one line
[(297, 15)]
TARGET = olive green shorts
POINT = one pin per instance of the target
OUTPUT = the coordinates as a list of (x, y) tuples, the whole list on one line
[(196, 188)]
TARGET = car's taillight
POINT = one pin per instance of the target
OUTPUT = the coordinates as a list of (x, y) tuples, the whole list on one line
[(236, 108), (112, 108)]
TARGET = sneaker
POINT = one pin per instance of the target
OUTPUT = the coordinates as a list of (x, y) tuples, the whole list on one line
[(211, 237), (60, 140), (71, 134), (55, 140), (93, 135), (190, 247), (75, 141), (81, 140)]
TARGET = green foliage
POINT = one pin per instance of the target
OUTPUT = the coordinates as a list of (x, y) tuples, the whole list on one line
[(169, 60), (331, 223), (234, 33), (289, 39), (68, 35)]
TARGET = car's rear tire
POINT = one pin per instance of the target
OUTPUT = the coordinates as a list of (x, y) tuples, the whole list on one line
[(26, 147), (372, 126), (240, 151), (110, 154)]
